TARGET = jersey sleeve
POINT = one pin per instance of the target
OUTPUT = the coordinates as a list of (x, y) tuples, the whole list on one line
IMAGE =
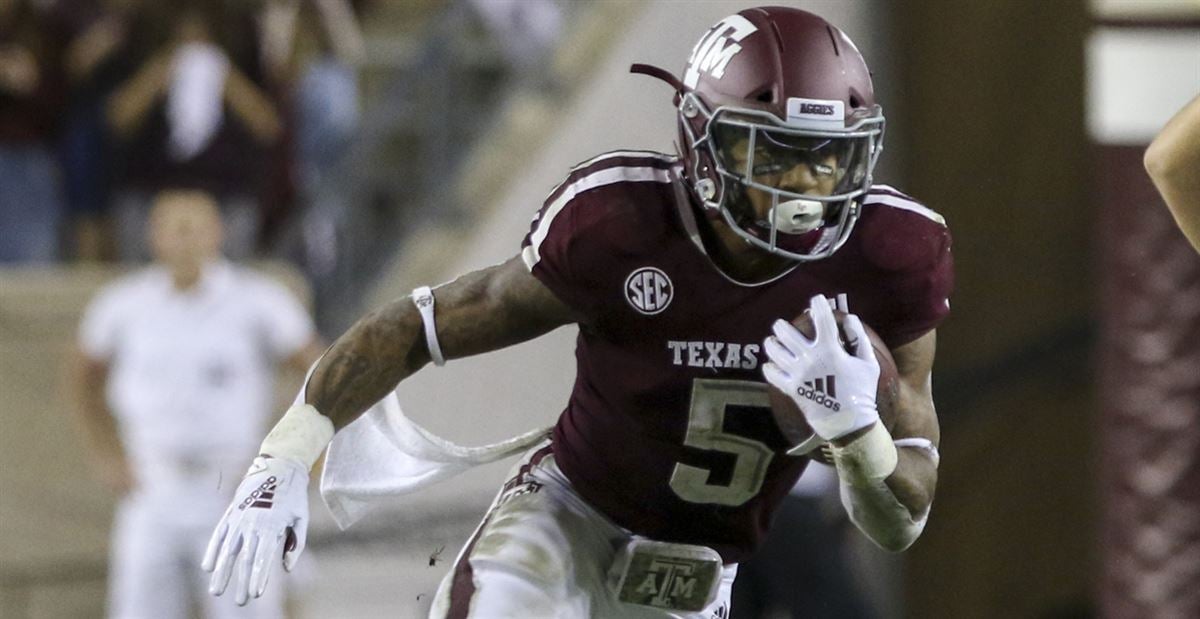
[(99, 330), (288, 327), (607, 210), (907, 247), (553, 252), (922, 297)]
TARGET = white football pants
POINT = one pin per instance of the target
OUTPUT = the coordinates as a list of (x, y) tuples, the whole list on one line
[(159, 536), (542, 552)]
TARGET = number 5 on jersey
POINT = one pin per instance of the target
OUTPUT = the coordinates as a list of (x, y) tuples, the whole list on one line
[(711, 399)]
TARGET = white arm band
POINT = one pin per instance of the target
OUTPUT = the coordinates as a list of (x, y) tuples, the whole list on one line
[(301, 435), (922, 443), (423, 298)]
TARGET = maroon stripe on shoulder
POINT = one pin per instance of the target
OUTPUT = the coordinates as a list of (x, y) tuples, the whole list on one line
[(462, 588)]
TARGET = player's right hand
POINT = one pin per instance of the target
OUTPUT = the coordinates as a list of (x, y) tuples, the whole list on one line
[(267, 521), (796, 363)]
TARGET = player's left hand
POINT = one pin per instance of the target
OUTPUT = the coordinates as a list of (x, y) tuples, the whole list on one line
[(797, 363), (269, 511)]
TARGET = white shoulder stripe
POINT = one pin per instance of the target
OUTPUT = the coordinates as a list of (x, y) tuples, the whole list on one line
[(904, 204), (615, 154), (531, 253), (648, 154)]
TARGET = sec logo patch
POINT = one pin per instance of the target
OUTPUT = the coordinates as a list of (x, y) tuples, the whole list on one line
[(649, 290)]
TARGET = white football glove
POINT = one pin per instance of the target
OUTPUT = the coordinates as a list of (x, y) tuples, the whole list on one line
[(834, 389), (271, 501)]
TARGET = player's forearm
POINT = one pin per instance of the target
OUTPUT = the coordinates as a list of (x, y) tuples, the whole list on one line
[(887, 491), (367, 362), (892, 513), (1175, 151), (1172, 161), (913, 481), (479, 312), (892, 508)]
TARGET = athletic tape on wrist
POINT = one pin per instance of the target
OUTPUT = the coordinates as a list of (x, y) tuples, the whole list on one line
[(423, 298), (301, 435), (867, 459)]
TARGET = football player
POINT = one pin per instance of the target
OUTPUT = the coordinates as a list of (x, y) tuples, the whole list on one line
[(1172, 161), (666, 464)]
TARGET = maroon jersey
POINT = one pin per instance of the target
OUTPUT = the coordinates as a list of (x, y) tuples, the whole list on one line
[(668, 429)]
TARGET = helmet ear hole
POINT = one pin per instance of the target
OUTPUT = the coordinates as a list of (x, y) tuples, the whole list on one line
[(766, 96), (855, 102)]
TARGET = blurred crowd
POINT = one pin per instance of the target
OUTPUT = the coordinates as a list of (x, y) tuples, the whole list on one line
[(106, 103)]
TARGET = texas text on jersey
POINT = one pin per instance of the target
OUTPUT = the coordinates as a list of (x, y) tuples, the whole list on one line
[(667, 430)]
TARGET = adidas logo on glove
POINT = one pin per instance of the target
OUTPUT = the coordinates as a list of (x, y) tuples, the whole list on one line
[(822, 391), (263, 496)]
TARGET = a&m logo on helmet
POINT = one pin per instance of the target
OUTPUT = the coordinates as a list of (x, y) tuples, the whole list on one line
[(649, 290), (717, 48)]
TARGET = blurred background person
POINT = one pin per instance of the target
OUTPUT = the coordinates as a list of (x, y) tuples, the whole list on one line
[(31, 96), (1173, 161), (175, 370), (193, 111), (313, 51), (98, 38), (526, 31)]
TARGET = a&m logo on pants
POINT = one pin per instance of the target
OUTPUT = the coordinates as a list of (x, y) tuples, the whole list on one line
[(667, 576), (668, 582)]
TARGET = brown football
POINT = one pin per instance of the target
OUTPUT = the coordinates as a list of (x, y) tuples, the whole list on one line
[(787, 414)]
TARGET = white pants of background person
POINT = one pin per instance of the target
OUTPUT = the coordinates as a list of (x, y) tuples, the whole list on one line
[(542, 551), (159, 537)]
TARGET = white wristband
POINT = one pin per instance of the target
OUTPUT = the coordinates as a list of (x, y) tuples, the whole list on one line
[(301, 435), (867, 459), (923, 444), (423, 298)]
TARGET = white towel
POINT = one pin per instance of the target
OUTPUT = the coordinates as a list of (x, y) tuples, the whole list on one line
[(384, 455), (196, 98)]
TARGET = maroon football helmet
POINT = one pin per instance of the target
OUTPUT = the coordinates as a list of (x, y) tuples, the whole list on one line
[(765, 90)]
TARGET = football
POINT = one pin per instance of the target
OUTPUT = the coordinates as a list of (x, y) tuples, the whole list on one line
[(787, 414)]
